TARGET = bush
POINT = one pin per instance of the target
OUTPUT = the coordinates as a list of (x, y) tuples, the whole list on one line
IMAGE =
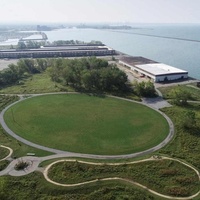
[(21, 165)]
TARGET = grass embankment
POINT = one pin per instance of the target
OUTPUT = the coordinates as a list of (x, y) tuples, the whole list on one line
[(6, 100), (87, 124), (190, 88), (37, 186), (19, 148), (42, 83), (186, 143), (3, 152), (164, 176), (38, 83)]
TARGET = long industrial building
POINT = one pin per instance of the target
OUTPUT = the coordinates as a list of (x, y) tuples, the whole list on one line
[(158, 72), (59, 51)]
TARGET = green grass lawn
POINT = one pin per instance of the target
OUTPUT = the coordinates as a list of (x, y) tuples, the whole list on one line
[(164, 176), (38, 83), (19, 148), (87, 124)]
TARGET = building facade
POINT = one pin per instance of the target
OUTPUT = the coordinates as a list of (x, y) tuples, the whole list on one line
[(157, 72)]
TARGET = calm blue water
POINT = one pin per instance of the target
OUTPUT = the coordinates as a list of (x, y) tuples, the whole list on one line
[(178, 53)]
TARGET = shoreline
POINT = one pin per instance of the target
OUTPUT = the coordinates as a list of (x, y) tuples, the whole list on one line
[(4, 63)]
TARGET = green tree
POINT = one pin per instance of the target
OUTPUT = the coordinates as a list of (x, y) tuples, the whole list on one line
[(86, 79), (88, 73), (69, 75), (145, 89), (41, 64), (180, 96), (21, 45)]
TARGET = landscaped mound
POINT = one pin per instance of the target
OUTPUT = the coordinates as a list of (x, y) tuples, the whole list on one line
[(87, 124), (167, 177)]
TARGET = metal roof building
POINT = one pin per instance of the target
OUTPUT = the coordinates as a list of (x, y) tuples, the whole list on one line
[(158, 72), (58, 51)]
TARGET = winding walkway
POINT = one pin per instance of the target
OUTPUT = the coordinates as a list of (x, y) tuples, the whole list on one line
[(45, 172), (72, 154), (35, 161), (10, 152)]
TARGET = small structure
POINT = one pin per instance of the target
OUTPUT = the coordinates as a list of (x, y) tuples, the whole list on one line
[(158, 72), (30, 154), (198, 84)]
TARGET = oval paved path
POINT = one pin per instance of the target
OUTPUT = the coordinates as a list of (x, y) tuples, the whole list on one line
[(71, 154)]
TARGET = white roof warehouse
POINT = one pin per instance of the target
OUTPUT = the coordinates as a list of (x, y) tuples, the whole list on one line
[(158, 72)]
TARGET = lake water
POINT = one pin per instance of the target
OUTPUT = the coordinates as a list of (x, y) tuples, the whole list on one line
[(149, 41)]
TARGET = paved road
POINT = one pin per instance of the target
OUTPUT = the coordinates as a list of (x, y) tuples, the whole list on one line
[(71, 154)]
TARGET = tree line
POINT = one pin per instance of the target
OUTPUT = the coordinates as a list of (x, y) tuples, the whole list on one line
[(74, 42), (24, 67), (88, 74), (31, 44), (91, 74)]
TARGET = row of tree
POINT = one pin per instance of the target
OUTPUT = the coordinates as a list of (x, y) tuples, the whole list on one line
[(24, 67), (31, 44), (91, 74), (88, 73), (74, 42)]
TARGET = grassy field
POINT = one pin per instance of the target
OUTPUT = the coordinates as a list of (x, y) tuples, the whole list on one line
[(38, 83), (19, 148), (170, 177), (34, 186), (186, 143), (191, 88), (87, 124)]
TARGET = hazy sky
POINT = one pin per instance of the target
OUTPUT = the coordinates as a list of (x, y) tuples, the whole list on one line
[(136, 11)]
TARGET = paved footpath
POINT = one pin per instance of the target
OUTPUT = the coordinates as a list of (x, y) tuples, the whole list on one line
[(33, 163), (71, 154)]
